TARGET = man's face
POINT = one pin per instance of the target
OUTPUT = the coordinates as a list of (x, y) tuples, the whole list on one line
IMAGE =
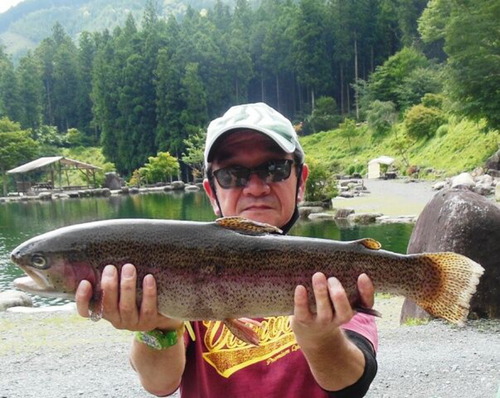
[(272, 203)]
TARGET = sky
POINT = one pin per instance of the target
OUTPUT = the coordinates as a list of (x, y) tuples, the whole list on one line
[(6, 4)]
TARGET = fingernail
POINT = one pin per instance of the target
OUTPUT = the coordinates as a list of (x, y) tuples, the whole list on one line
[(333, 282), (109, 270), (149, 281), (128, 271)]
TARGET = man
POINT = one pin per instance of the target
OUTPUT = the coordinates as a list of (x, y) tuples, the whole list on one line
[(255, 169)]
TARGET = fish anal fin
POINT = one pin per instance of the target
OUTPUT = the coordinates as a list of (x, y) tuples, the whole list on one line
[(369, 243), (368, 311), (246, 226), (240, 328)]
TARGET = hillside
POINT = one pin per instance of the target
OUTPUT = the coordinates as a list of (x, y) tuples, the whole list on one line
[(24, 26), (465, 146)]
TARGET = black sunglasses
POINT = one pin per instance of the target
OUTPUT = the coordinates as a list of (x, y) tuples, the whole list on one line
[(238, 176)]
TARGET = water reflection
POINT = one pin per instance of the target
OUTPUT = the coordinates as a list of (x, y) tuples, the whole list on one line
[(22, 220)]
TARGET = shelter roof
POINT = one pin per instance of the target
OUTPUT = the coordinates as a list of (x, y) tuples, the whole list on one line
[(45, 161), (383, 160)]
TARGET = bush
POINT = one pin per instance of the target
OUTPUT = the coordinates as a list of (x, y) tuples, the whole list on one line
[(417, 84), (324, 117), (321, 183), (433, 100), (381, 116), (442, 130), (421, 121)]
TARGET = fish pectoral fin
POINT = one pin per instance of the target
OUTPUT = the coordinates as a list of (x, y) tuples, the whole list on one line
[(369, 243), (368, 311), (246, 226), (240, 328)]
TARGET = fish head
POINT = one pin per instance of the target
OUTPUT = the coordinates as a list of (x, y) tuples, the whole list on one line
[(53, 267)]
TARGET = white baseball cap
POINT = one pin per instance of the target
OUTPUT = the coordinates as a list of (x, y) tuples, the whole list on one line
[(259, 117)]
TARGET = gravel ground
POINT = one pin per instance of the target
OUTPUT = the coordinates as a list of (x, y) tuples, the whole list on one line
[(59, 355)]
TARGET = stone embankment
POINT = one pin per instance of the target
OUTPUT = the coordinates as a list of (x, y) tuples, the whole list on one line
[(480, 182), (104, 192)]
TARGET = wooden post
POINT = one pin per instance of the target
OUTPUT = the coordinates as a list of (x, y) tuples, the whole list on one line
[(60, 176)]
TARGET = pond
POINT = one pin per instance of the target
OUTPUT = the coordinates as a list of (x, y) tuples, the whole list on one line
[(20, 221)]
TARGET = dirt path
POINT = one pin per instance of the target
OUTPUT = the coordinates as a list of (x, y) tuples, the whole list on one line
[(391, 197)]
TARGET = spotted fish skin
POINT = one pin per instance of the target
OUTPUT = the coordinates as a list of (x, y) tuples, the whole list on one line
[(222, 270)]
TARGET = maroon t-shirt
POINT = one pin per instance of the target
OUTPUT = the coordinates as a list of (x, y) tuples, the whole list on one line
[(220, 365)]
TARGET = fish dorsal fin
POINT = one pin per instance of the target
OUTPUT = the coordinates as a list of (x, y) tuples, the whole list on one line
[(246, 226), (369, 243)]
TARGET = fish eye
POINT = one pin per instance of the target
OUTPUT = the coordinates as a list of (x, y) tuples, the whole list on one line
[(38, 261)]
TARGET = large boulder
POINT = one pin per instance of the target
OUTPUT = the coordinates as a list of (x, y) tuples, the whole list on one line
[(14, 298), (112, 181), (463, 222), (463, 180), (493, 162)]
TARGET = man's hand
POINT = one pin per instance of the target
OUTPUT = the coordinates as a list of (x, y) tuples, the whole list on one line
[(119, 301), (332, 307)]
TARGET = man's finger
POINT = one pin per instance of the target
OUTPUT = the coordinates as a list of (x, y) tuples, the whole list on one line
[(366, 290), (82, 297), (301, 310), (341, 305), (322, 297), (128, 286), (110, 286), (149, 305)]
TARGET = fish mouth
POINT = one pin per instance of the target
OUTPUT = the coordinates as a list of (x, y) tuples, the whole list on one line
[(29, 285)]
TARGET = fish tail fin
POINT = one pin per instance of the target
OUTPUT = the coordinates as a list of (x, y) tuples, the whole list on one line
[(456, 281), (241, 329)]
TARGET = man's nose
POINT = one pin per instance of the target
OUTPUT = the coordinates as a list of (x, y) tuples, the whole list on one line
[(256, 186)]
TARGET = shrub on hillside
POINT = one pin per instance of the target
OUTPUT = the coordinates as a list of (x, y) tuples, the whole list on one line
[(433, 100), (381, 116), (421, 121), (417, 84), (320, 185), (325, 116)]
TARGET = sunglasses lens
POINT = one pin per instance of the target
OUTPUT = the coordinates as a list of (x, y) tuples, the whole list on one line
[(238, 176)]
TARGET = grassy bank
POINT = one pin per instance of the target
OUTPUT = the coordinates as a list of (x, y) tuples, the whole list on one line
[(461, 146)]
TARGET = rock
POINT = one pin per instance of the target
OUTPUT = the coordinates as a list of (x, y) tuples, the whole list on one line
[(494, 173), (191, 188), (112, 181), (305, 211), (134, 190), (493, 162), (497, 192), (167, 188), (345, 183), (407, 219), (485, 179), (125, 190), (463, 180), (478, 171), (45, 196), (321, 216), (364, 218), (463, 222), (346, 194), (483, 189), (14, 298), (344, 213), (106, 192), (439, 185), (177, 185), (73, 194)]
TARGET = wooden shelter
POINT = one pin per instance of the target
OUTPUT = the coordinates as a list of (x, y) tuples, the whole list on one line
[(55, 165)]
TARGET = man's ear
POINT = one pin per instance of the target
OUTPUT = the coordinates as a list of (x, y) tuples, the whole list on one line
[(211, 195), (303, 179)]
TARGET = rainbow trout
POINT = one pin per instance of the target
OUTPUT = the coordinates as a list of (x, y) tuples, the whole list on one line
[(235, 268)]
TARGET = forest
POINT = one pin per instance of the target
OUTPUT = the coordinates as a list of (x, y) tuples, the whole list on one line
[(153, 85)]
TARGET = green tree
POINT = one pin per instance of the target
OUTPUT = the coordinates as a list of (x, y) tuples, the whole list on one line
[(474, 59), (9, 91), (86, 54), (194, 153), (348, 130), (381, 117), (16, 146), (30, 92), (160, 168)]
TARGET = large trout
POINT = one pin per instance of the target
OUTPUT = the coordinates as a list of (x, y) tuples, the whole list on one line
[(235, 268)]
